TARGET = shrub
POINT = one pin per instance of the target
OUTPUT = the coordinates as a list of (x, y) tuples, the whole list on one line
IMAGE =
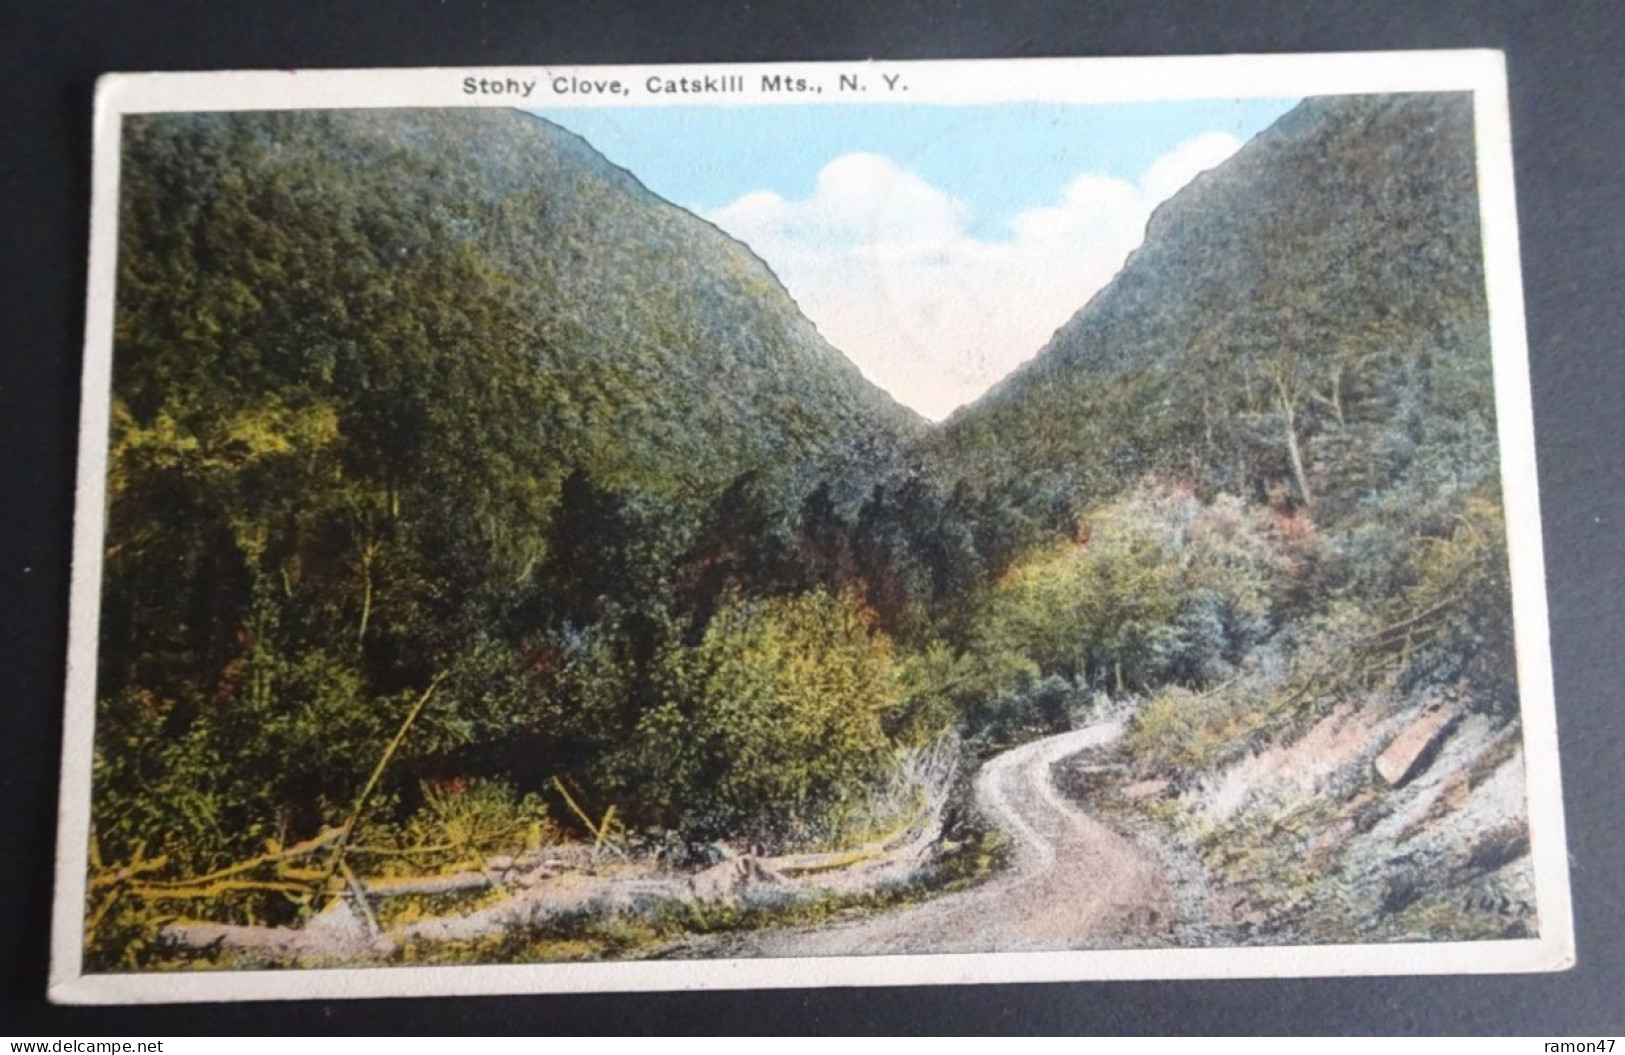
[(464, 821), (1154, 587), (1462, 598), (773, 721)]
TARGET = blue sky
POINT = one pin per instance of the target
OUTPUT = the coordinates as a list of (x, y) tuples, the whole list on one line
[(937, 246)]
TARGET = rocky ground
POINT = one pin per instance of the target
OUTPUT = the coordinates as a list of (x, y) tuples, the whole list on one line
[(1377, 822)]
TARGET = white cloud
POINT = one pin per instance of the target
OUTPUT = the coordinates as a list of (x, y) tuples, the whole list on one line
[(882, 261), (1179, 166)]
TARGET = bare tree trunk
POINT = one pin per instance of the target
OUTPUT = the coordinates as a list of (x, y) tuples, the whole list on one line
[(366, 596), (1335, 399), (340, 845), (1290, 419), (369, 559)]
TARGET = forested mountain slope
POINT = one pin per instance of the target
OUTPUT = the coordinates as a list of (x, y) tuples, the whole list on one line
[(325, 243), (419, 406), (1269, 448), (1305, 321)]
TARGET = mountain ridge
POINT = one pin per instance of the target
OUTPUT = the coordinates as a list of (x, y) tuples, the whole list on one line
[(1337, 249), (620, 291)]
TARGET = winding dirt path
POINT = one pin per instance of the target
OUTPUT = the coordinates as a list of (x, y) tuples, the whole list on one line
[(1073, 883)]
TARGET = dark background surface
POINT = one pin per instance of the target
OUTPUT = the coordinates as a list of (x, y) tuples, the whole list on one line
[(1566, 65)]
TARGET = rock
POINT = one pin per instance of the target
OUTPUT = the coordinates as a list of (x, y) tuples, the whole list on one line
[(540, 874), (1499, 846), (1412, 750), (1145, 789), (729, 879), (704, 855), (336, 935), (342, 930), (1454, 793), (1247, 914), (1403, 890)]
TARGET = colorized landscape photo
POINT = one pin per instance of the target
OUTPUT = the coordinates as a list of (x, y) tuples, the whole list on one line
[(618, 534)]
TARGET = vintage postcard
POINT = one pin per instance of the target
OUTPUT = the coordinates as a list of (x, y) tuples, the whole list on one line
[(683, 527)]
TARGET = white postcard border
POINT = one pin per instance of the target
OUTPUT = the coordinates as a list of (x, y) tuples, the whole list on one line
[(938, 82)]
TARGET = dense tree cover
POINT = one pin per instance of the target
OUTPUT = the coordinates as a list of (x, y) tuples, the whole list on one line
[(1160, 589), (1305, 324), (1304, 330), (318, 500), (409, 403), (774, 722), (442, 449)]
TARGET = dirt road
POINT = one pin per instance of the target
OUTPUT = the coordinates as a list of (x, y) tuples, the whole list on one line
[(1073, 883)]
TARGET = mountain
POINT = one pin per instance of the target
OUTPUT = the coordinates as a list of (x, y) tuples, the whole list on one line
[(1301, 344), (670, 356), (1305, 322), (443, 451), (400, 396)]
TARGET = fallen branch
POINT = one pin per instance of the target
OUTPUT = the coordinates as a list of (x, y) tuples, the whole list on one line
[(129, 871), (853, 871), (360, 893), (442, 884), (378, 772), (599, 832), (811, 864), (155, 892), (406, 851), (294, 852), (603, 833), (1375, 638)]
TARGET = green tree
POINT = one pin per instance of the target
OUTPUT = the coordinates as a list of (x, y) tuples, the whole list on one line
[(774, 721)]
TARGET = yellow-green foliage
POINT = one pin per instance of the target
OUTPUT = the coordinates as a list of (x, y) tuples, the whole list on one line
[(1461, 599), (462, 822), (1447, 623), (939, 687), (925, 706), (1156, 586), (774, 720), (997, 695), (1076, 608), (1179, 730)]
